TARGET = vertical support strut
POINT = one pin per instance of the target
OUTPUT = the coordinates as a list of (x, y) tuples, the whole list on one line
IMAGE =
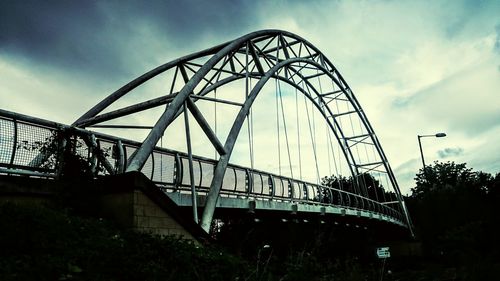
[(61, 147), (120, 158), (14, 144), (190, 160), (94, 150)]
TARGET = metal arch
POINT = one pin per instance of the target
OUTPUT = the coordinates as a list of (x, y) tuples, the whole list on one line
[(164, 100), (231, 48), (220, 168), (169, 115), (223, 50), (374, 139), (347, 91), (218, 51), (140, 80)]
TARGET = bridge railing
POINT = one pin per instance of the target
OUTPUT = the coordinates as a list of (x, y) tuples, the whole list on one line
[(32, 146), (21, 143)]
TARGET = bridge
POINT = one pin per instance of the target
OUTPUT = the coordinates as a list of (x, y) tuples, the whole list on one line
[(213, 101)]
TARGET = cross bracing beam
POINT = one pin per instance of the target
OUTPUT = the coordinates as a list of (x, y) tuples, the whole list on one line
[(122, 127), (357, 137), (370, 164), (200, 97), (198, 116), (360, 142), (127, 110), (339, 92), (344, 113), (252, 56), (314, 75), (255, 57), (232, 71), (374, 168)]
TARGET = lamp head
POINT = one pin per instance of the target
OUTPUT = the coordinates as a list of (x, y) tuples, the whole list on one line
[(440, 135)]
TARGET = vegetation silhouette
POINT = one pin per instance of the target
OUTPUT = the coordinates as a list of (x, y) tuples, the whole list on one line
[(454, 210), (455, 213)]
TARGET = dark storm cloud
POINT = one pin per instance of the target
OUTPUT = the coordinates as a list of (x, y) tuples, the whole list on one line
[(64, 34), (186, 20), (105, 37), (450, 152)]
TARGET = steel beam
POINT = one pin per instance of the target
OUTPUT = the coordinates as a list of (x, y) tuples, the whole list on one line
[(198, 97), (255, 57), (121, 127), (190, 161), (127, 110), (198, 116)]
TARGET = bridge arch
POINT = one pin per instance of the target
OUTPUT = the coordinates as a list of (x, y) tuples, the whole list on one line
[(261, 62), (238, 123)]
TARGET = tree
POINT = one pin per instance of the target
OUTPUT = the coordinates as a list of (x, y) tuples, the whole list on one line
[(366, 185), (73, 160), (452, 208), (442, 176)]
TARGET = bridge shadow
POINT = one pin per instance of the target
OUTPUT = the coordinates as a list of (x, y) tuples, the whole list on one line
[(285, 233)]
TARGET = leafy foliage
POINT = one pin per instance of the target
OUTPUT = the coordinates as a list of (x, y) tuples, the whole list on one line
[(449, 176), (454, 210), (73, 159), (365, 185)]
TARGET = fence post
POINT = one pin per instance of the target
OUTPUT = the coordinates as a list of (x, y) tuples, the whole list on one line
[(93, 149), (61, 147)]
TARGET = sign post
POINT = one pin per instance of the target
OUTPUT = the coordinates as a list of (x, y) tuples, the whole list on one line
[(383, 253)]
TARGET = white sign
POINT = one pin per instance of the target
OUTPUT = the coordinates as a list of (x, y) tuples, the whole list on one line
[(383, 252)]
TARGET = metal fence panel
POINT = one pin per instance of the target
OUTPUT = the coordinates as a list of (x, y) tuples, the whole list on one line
[(7, 139)]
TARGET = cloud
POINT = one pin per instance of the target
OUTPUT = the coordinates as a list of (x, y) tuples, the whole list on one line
[(463, 101), (113, 39), (497, 41), (65, 34), (416, 67), (406, 174), (450, 152)]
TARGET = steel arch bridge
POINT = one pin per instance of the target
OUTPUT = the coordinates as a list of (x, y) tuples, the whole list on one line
[(253, 59)]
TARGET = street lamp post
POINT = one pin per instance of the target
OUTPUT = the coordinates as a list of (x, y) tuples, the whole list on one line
[(438, 135)]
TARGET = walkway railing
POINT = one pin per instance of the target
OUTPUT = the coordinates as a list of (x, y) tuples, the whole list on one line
[(35, 147)]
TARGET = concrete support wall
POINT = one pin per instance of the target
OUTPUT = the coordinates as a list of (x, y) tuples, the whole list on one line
[(134, 209), (131, 200), (119, 207), (149, 217)]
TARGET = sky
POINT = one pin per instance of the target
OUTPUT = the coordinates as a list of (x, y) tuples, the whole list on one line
[(416, 67)]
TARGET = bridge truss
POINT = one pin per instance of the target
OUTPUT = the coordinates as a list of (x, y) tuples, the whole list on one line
[(252, 61)]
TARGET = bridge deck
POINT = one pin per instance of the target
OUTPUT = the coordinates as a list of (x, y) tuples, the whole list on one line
[(256, 204), (25, 140)]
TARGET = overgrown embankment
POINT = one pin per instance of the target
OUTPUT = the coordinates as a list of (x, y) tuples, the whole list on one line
[(49, 243), (39, 243)]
